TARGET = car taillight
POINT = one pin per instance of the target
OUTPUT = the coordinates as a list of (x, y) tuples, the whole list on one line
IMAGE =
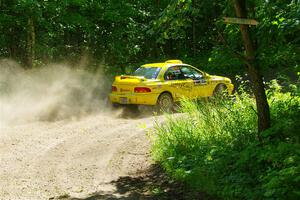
[(142, 90), (113, 88)]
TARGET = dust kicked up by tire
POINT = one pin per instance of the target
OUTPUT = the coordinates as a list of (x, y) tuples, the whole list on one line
[(57, 139)]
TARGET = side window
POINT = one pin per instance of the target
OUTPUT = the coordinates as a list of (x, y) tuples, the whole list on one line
[(174, 73), (187, 72), (191, 73)]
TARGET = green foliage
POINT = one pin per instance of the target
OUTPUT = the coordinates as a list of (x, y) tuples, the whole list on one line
[(110, 32), (123, 34), (221, 61), (173, 21), (277, 33), (214, 147)]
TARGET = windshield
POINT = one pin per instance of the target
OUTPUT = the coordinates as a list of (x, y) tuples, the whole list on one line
[(147, 72)]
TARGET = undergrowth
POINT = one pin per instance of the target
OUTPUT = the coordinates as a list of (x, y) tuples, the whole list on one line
[(214, 147)]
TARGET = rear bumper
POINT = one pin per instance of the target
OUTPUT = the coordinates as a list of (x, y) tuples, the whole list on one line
[(139, 99)]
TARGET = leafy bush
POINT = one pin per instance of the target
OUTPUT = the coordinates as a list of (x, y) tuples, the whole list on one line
[(214, 148)]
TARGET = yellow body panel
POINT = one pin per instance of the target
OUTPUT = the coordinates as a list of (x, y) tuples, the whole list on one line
[(188, 88)]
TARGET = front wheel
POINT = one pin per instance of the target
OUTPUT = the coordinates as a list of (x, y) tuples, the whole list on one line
[(165, 103), (220, 91)]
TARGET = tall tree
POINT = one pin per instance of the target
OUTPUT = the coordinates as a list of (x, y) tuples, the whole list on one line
[(30, 45), (194, 29), (253, 69)]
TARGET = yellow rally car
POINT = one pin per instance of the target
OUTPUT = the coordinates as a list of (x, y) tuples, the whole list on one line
[(162, 84)]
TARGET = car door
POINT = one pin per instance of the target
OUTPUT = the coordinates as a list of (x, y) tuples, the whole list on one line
[(200, 84), (179, 85)]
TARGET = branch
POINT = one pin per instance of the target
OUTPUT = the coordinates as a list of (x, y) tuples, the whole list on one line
[(232, 51)]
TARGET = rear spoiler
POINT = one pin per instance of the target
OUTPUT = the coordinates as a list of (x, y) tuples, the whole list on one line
[(122, 77)]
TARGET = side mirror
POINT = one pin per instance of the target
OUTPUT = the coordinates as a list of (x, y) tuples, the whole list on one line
[(206, 75)]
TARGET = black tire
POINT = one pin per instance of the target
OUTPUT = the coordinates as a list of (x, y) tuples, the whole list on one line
[(220, 91), (165, 103)]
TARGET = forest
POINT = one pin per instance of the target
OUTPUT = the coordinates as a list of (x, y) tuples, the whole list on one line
[(248, 148), (122, 34)]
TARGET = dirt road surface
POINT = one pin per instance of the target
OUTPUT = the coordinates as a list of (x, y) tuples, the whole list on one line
[(56, 160)]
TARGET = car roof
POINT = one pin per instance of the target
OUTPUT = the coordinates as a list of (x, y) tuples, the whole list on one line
[(168, 63)]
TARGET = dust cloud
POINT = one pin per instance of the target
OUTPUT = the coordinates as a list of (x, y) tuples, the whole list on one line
[(50, 93)]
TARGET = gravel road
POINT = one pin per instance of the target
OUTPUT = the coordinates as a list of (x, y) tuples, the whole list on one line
[(52, 160)]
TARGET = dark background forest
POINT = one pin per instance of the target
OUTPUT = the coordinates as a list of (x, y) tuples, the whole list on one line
[(120, 35)]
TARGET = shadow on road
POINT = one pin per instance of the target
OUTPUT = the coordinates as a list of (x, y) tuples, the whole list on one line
[(135, 112), (153, 185)]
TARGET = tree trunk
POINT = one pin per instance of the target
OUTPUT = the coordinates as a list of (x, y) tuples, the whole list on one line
[(194, 29), (256, 79), (157, 45), (30, 48)]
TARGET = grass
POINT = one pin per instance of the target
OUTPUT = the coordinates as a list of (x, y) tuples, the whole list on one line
[(214, 148)]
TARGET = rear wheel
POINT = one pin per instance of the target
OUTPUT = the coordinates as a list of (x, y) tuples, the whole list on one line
[(165, 103)]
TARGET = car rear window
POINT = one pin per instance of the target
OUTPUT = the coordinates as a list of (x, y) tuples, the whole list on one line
[(147, 72)]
